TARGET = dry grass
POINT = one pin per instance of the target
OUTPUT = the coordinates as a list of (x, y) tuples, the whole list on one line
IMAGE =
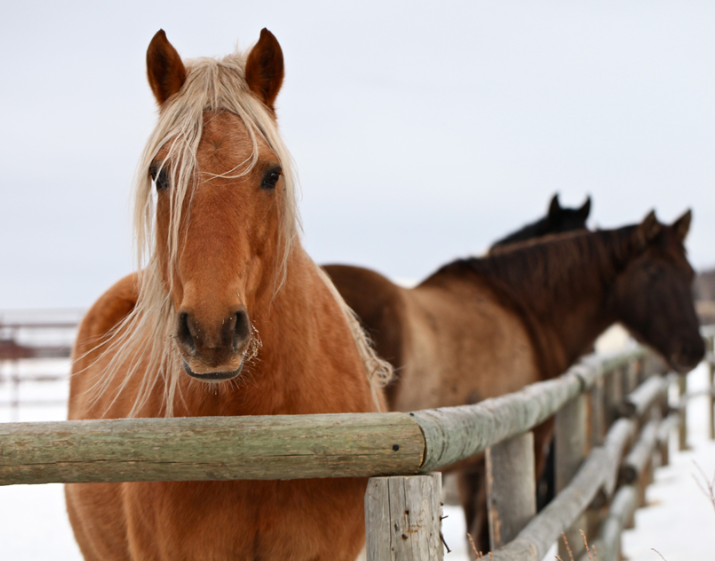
[(479, 555), (591, 555), (707, 486)]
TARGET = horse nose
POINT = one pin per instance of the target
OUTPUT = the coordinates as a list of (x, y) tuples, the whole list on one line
[(213, 341), (689, 354)]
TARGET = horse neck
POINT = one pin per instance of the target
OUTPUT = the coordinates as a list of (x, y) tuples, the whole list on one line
[(307, 362), (561, 290)]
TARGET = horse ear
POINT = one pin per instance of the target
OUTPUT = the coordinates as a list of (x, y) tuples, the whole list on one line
[(585, 210), (681, 226), (648, 230), (164, 68), (554, 206), (264, 68)]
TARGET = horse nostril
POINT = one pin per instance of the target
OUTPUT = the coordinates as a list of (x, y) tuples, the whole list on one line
[(183, 333), (690, 353), (242, 328)]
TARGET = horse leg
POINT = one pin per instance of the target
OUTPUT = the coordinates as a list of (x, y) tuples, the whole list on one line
[(96, 515), (473, 494), (544, 463)]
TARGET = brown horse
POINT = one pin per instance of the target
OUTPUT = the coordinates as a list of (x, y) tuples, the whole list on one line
[(483, 327), (229, 317), (558, 220)]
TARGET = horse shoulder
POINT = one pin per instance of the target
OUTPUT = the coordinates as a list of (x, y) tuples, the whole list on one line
[(463, 338), (379, 304)]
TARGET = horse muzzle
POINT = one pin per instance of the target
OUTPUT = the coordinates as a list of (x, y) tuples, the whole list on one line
[(213, 376), (214, 350), (687, 356)]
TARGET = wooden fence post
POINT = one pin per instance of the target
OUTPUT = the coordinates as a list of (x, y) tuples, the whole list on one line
[(403, 518), (511, 488), (597, 421), (614, 395), (597, 429), (710, 357), (571, 443), (683, 412)]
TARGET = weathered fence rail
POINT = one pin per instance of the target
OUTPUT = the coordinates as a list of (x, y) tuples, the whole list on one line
[(277, 446), (613, 416)]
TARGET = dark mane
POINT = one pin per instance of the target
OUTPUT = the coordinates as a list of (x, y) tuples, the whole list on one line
[(528, 270)]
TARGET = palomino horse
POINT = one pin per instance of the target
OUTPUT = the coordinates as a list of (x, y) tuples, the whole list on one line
[(229, 317), (558, 220), (484, 327)]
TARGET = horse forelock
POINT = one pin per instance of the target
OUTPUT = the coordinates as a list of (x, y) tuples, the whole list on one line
[(143, 344), (211, 85)]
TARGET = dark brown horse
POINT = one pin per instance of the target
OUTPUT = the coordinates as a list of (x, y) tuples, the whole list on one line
[(558, 220), (483, 327)]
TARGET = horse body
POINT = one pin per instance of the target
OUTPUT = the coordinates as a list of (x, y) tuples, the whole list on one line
[(472, 332), (482, 327), (300, 519), (230, 317)]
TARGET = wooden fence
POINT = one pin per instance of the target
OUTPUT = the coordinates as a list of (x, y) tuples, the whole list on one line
[(30, 335), (613, 418)]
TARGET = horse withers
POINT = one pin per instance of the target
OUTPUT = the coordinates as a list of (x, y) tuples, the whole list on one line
[(229, 317), (484, 327)]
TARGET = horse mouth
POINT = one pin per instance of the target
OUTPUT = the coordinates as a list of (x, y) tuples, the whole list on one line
[(682, 367), (213, 376)]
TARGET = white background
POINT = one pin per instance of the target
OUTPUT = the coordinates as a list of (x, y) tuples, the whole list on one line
[(422, 130)]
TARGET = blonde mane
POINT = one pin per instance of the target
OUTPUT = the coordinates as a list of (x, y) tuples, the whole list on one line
[(142, 343)]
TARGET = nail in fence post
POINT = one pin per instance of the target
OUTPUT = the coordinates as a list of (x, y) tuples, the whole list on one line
[(403, 518), (571, 445), (511, 488)]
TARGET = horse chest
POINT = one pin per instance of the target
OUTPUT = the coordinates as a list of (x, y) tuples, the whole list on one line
[(246, 521)]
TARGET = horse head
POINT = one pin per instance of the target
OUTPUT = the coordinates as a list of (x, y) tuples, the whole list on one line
[(561, 219), (654, 293), (223, 211)]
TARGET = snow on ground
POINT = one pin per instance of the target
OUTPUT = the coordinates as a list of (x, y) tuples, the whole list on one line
[(33, 520), (679, 521)]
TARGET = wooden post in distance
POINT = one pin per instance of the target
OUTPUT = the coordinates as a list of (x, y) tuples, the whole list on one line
[(511, 488)]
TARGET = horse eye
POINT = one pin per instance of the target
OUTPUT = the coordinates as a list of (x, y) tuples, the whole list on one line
[(161, 178), (270, 179)]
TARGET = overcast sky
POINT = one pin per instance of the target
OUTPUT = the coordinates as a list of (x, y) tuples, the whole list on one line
[(422, 131)]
